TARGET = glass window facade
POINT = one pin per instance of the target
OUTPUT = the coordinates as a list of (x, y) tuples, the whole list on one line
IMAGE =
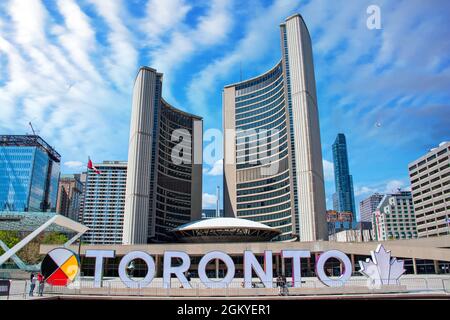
[(343, 179), (29, 175)]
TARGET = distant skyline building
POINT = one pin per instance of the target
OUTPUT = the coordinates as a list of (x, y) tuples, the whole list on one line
[(335, 202), (29, 174), (211, 213), (368, 206), (83, 179), (70, 191), (338, 221), (356, 235), (345, 199), (430, 185), (104, 203), (394, 217), (273, 170), (164, 187)]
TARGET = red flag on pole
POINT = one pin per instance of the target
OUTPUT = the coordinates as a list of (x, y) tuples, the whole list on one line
[(91, 166)]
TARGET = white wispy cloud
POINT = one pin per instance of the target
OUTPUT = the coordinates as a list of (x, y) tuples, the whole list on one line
[(162, 17), (184, 41), (70, 76), (328, 170), (209, 200), (260, 34), (53, 80), (74, 164), (390, 186), (78, 37), (216, 170), (122, 58)]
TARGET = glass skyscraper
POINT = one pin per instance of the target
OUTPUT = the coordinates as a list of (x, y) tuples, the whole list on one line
[(343, 180), (29, 174)]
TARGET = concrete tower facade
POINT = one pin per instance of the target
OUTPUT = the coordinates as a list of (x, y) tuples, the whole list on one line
[(430, 185), (162, 192), (273, 160)]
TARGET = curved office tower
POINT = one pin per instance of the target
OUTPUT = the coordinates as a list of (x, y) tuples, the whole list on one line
[(273, 158), (164, 184)]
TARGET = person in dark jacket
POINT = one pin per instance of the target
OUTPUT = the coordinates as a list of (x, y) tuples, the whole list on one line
[(32, 284)]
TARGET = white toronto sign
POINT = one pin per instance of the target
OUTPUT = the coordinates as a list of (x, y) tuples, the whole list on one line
[(381, 270)]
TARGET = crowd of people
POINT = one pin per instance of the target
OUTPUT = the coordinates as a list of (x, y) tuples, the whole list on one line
[(39, 279)]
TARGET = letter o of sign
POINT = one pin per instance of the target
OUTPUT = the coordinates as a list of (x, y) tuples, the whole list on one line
[(320, 268), (202, 269), (130, 257)]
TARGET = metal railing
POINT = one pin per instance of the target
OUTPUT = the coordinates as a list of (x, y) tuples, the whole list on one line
[(157, 288)]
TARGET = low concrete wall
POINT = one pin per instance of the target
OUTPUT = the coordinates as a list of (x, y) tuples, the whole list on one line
[(227, 292)]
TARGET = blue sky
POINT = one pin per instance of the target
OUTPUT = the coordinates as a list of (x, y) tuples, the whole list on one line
[(69, 65)]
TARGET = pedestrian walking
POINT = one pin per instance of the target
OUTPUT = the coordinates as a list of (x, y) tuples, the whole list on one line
[(188, 276), (32, 283), (284, 288), (280, 284), (41, 282)]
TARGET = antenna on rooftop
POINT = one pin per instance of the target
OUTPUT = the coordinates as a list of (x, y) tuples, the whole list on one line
[(218, 203), (32, 129)]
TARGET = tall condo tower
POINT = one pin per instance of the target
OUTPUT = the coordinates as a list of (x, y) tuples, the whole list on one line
[(273, 170), (104, 202), (343, 179), (164, 178)]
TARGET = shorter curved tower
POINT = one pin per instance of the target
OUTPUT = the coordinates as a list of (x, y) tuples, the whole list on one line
[(164, 178)]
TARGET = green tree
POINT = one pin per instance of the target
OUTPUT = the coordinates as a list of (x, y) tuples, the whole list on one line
[(30, 253), (10, 238), (54, 238)]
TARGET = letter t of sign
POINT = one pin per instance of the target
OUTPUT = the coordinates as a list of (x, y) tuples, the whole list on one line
[(296, 255)]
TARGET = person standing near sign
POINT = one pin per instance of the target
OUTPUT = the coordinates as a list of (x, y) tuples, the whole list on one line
[(41, 281), (279, 284), (32, 283)]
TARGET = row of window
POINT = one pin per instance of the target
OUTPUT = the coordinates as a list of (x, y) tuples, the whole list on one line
[(421, 163), (262, 182), (267, 161), (253, 85), (263, 196), (259, 92), (243, 156), (264, 203), (267, 123), (277, 208), (251, 136), (441, 169), (437, 186), (437, 210), (274, 216), (278, 92), (432, 204), (260, 113)]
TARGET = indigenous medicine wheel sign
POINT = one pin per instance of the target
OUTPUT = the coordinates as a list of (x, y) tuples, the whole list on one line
[(60, 267)]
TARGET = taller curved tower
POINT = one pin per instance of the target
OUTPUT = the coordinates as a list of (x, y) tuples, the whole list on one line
[(271, 122), (164, 189)]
